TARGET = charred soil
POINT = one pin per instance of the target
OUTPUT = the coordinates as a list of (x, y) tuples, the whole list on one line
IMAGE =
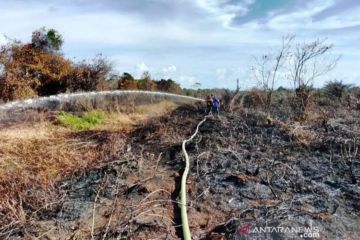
[(244, 170)]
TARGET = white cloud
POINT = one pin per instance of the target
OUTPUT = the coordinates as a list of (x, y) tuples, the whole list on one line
[(225, 10), (188, 81), (169, 69), (300, 19), (168, 72), (206, 44), (304, 19), (140, 68)]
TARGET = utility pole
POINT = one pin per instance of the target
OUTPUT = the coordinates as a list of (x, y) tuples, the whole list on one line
[(237, 85)]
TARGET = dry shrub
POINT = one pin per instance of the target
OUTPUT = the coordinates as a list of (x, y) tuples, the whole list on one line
[(318, 116), (90, 76), (235, 102), (128, 84), (302, 102), (336, 90), (254, 99), (226, 100), (31, 71), (301, 134), (168, 86), (52, 70)]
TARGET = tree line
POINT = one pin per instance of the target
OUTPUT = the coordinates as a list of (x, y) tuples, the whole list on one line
[(38, 68)]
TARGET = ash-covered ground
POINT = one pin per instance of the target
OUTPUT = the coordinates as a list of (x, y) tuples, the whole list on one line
[(250, 179)]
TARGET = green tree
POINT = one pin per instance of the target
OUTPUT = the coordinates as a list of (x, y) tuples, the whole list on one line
[(47, 39), (146, 75), (127, 82), (168, 86), (145, 83), (55, 39), (127, 76)]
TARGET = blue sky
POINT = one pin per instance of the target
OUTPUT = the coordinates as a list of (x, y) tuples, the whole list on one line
[(208, 41)]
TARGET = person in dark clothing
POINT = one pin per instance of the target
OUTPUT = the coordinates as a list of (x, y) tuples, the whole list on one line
[(209, 104)]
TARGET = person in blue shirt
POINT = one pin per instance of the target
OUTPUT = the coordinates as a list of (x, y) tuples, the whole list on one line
[(216, 104)]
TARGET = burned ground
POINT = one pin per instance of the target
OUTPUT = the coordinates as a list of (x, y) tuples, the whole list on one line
[(244, 170), (259, 173)]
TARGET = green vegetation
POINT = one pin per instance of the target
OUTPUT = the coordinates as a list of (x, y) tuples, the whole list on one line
[(47, 39), (128, 82), (55, 39), (86, 122)]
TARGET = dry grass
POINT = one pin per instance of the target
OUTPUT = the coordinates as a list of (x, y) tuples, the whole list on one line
[(130, 117), (41, 160), (40, 130), (44, 152), (30, 168), (301, 134), (33, 158)]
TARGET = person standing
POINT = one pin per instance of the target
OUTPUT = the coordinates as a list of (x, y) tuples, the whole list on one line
[(209, 104), (216, 104)]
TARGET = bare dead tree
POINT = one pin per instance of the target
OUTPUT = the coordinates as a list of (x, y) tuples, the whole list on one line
[(266, 69), (309, 61)]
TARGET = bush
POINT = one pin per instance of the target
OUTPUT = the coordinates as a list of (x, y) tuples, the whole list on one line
[(37, 69), (128, 84), (336, 90), (31, 71), (146, 85), (301, 102), (90, 76), (88, 121), (254, 99), (168, 86)]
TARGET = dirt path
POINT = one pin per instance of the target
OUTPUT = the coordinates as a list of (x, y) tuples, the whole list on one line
[(183, 202)]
